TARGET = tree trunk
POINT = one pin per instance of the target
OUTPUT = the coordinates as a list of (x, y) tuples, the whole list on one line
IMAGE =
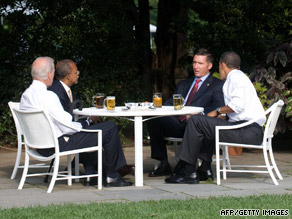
[(143, 35), (169, 45)]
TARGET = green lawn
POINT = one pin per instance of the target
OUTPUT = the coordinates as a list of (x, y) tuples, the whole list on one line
[(191, 208)]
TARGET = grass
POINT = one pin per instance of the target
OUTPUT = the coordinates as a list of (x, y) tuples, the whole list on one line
[(191, 208)]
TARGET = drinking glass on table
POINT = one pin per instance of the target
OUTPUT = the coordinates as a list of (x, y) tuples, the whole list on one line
[(98, 100), (178, 101), (110, 102), (157, 100)]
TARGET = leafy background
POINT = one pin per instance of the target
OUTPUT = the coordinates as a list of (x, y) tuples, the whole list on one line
[(99, 36)]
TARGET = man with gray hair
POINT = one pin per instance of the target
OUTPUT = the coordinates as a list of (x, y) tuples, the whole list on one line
[(37, 97), (242, 104)]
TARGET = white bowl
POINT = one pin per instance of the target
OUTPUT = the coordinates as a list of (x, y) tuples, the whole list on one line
[(146, 104), (132, 105)]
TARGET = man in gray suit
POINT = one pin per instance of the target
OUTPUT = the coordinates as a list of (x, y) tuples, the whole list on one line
[(202, 91)]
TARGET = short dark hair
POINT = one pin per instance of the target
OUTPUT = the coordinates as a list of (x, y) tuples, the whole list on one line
[(63, 68), (231, 59), (205, 52)]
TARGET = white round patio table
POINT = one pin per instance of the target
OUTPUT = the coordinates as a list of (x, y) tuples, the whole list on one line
[(136, 115)]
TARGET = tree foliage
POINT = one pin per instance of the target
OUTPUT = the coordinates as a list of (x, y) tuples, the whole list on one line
[(276, 75), (247, 27), (113, 57), (98, 35)]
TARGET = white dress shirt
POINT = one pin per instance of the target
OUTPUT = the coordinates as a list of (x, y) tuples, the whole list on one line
[(67, 88), (37, 97), (241, 96)]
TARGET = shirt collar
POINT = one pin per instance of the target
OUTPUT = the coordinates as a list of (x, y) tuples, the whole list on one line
[(39, 83), (66, 87), (203, 78)]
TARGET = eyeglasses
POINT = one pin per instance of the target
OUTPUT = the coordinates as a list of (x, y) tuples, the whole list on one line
[(77, 72)]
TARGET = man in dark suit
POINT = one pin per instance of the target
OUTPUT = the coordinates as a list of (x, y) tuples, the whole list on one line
[(202, 91), (66, 76)]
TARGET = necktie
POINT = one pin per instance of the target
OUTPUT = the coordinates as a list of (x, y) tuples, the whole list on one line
[(191, 96), (70, 96), (193, 91)]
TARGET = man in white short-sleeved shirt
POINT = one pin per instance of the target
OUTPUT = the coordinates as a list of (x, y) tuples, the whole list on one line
[(241, 104)]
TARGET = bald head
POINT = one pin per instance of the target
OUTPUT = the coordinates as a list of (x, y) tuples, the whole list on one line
[(41, 67)]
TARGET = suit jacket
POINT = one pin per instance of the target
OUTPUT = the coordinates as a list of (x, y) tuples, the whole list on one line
[(210, 95), (58, 88)]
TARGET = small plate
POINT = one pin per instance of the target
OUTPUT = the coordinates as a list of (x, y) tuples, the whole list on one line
[(138, 106)]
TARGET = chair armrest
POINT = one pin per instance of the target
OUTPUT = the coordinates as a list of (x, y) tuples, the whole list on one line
[(235, 126), (81, 130), (90, 130)]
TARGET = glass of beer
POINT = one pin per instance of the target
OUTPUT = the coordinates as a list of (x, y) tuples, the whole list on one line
[(98, 100), (110, 102), (178, 101), (157, 99)]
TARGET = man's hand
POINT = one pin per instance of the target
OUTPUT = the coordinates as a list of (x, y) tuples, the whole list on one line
[(95, 119), (212, 114)]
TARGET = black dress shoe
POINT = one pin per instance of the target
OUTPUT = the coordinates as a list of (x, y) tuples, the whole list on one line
[(179, 169), (183, 179), (116, 182), (127, 170), (161, 171), (205, 175)]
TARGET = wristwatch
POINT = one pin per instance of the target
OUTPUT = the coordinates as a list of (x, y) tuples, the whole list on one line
[(218, 111)]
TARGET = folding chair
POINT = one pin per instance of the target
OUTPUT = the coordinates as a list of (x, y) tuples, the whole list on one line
[(39, 133), (266, 146)]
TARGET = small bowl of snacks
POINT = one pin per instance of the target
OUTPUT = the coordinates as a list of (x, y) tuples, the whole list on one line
[(132, 105), (146, 105)]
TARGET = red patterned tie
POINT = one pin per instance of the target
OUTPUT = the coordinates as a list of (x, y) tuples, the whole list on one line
[(193, 91), (191, 96)]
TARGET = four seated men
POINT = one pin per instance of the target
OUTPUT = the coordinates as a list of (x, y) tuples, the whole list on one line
[(236, 97)]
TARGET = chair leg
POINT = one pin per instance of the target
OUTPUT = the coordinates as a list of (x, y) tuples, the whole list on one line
[(55, 173), (224, 158), (76, 166), (46, 179), (274, 164), (176, 146), (269, 168), (227, 158), (17, 161), (24, 173), (69, 169), (99, 169), (218, 164)]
